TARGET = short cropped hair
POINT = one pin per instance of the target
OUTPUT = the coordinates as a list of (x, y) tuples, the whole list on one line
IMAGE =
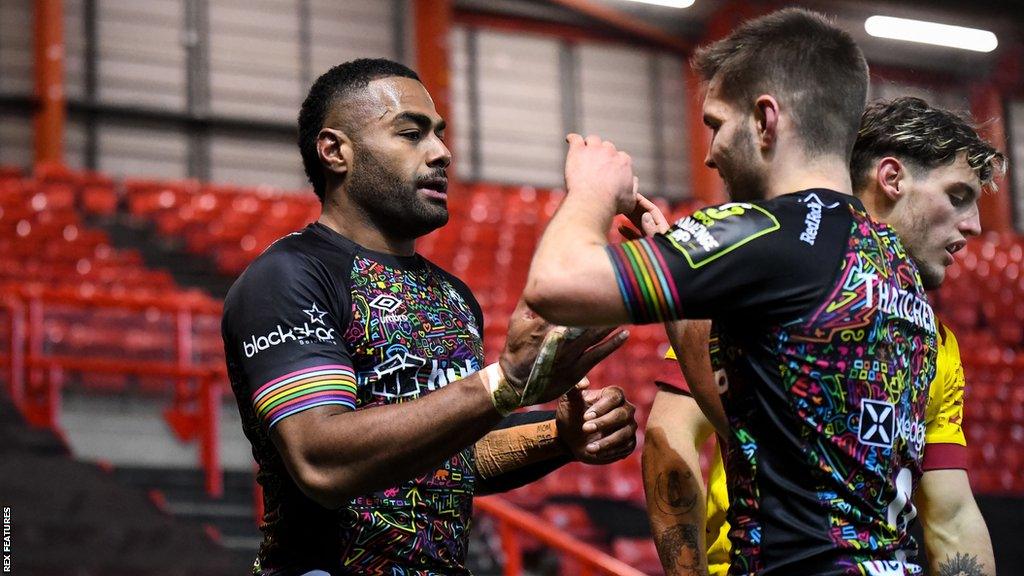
[(911, 130), (813, 67), (330, 90)]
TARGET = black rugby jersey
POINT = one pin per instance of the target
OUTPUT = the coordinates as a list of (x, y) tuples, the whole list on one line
[(824, 344), (318, 320)]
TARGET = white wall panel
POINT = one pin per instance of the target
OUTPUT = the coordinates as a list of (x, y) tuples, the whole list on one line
[(521, 126), (74, 144), (342, 30), (616, 102), (248, 161), (1015, 130), (142, 58), (459, 137), (674, 101), (142, 150), (16, 47), (15, 139), (74, 49), (254, 53)]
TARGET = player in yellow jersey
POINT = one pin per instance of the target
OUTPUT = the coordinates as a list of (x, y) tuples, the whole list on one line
[(914, 167)]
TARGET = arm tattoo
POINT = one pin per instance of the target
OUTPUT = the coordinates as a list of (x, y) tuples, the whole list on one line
[(672, 497), (960, 565), (677, 547)]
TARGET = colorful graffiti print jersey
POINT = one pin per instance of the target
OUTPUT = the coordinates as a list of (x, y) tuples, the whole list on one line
[(824, 345), (317, 320)]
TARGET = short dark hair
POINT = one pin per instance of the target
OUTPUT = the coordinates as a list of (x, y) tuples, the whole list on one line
[(927, 137), (803, 58), (328, 91)]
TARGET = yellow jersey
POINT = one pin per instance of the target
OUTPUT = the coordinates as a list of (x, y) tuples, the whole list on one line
[(944, 438)]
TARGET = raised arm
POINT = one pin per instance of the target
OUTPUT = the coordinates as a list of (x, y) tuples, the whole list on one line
[(572, 281)]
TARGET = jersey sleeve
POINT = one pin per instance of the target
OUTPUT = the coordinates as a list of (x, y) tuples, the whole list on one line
[(767, 260), (946, 445), (282, 330), (669, 374)]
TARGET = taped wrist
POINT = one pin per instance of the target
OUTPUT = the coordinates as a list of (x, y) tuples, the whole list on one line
[(504, 397), (505, 450)]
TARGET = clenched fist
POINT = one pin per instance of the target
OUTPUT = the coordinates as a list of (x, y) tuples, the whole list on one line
[(594, 166)]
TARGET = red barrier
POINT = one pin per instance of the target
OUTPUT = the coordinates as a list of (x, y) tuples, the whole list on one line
[(514, 522), (36, 378)]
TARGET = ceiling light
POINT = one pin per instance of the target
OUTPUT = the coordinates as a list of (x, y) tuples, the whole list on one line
[(931, 33), (668, 3)]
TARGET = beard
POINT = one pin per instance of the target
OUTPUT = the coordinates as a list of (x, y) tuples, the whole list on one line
[(931, 275), (742, 181), (391, 202)]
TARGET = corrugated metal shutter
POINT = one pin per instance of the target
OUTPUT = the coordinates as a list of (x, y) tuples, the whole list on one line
[(616, 103), (16, 47), (248, 161), (74, 49), (342, 30), (142, 60), (673, 100), (142, 150), (1016, 159), (521, 126), (15, 139), (254, 52), (459, 139)]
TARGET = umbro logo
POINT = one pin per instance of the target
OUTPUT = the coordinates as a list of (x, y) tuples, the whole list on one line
[(877, 423)]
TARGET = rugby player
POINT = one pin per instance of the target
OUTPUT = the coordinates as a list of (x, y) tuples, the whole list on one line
[(802, 286), (920, 170)]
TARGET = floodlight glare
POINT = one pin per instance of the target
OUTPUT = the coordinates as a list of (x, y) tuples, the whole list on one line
[(931, 33)]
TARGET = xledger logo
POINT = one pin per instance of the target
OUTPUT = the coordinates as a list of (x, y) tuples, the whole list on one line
[(880, 425), (305, 334)]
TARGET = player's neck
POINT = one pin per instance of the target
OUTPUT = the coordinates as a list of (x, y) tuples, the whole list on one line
[(355, 225), (802, 174)]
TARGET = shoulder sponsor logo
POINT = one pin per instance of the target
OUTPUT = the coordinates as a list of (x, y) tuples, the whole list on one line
[(813, 219), (307, 333), (899, 302), (881, 424), (711, 233)]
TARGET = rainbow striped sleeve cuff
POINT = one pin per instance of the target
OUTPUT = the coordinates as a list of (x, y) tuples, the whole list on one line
[(645, 282), (305, 389)]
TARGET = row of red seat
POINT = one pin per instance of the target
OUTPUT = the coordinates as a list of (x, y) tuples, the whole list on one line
[(489, 243)]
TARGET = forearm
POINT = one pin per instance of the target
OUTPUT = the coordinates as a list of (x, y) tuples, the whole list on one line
[(522, 448), (355, 452), (573, 249), (674, 487), (955, 534), (689, 339), (960, 542)]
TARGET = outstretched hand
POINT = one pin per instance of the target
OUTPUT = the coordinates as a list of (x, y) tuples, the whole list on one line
[(541, 361)]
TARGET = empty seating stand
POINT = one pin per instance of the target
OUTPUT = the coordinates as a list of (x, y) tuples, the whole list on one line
[(489, 243)]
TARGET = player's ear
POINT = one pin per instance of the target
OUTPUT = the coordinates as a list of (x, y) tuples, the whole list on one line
[(766, 117), (890, 177), (334, 148)]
